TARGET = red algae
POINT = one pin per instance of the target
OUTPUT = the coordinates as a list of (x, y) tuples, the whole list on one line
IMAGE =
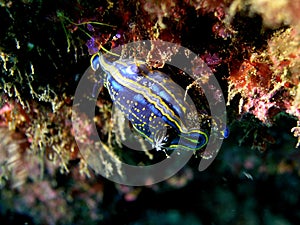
[(268, 80)]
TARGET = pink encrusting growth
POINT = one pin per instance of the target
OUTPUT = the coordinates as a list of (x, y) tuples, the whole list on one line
[(268, 81)]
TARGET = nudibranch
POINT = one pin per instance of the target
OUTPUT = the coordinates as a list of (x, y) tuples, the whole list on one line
[(151, 101)]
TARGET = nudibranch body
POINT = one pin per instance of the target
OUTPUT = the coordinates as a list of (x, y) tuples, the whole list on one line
[(151, 101)]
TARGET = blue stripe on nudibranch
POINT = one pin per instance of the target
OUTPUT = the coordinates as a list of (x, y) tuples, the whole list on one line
[(147, 97)]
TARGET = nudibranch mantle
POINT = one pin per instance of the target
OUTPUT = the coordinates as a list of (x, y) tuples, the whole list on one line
[(151, 101)]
